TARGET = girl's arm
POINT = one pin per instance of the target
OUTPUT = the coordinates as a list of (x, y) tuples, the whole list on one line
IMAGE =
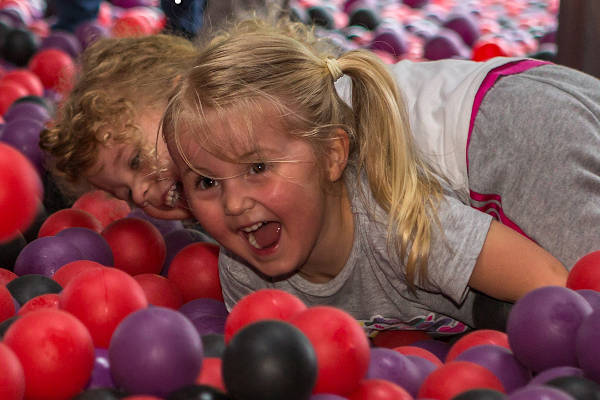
[(510, 265)]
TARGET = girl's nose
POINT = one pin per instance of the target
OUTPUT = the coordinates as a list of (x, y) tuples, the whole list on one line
[(139, 192), (235, 199)]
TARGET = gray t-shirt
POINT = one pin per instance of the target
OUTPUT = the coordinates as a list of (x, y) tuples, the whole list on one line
[(372, 285)]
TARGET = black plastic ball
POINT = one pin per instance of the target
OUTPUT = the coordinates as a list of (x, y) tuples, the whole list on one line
[(26, 287), (480, 394), (578, 387), (320, 16), (197, 392), (4, 325), (365, 17), (100, 394), (269, 360), (213, 345), (19, 45)]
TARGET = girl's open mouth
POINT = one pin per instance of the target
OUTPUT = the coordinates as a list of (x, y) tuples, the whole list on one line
[(263, 235)]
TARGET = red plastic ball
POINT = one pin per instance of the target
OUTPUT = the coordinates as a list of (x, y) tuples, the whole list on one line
[(259, 305), (160, 291), (138, 246), (101, 298), (195, 270), (210, 374), (47, 300), (474, 338), (12, 376), (456, 377), (68, 218), (341, 346), (102, 205), (9, 92), (487, 48), (67, 272), (56, 352), (7, 304), (585, 274), (55, 68), (379, 389), (419, 352), (21, 194), (130, 25), (27, 79), (394, 338), (6, 276)]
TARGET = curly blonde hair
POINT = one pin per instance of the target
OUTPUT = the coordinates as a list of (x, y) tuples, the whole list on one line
[(118, 79), (285, 65)]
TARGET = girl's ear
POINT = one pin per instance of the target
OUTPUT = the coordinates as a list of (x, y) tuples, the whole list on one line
[(337, 154)]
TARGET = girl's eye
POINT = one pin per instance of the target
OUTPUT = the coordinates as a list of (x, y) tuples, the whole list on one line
[(205, 183), (258, 168), (134, 163)]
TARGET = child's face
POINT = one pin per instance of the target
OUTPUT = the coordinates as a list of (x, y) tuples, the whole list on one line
[(121, 170), (270, 207)]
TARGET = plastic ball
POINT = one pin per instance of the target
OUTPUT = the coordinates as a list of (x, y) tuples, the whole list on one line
[(67, 272), (416, 3), (456, 377), (155, 351), (475, 338), (591, 296), (100, 377), (585, 273), (341, 346), (100, 394), (19, 46), (12, 376), (465, 25), (26, 287), (542, 327), (487, 48), (364, 16), (395, 367), (27, 110), (379, 389), (195, 270), (208, 315), (7, 305), (259, 305), (586, 346), (176, 241), (131, 25), (92, 244), (90, 31), (577, 386), (211, 375), (47, 300), (439, 348), (24, 135), (69, 218), (44, 256), (101, 298), (276, 355), (489, 313), (390, 41), (480, 394), (198, 392), (6, 276), (164, 226), (160, 291), (11, 91), (4, 325), (396, 337), (556, 372), (499, 360), (214, 344), (56, 352), (321, 16), (27, 79), (419, 352), (539, 392), (137, 246), (446, 43), (102, 205), (55, 68), (62, 40), (424, 368)]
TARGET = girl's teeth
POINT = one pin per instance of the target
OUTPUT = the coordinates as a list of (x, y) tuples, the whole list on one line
[(172, 196), (253, 227), (252, 241)]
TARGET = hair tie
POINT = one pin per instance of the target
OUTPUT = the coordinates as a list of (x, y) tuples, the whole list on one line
[(334, 68)]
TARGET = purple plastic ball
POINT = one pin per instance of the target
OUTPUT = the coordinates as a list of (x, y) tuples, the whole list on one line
[(176, 240), (539, 392), (90, 31), (92, 245), (416, 3), (163, 225), (501, 362), (24, 135), (465, 26), (45, 255), (587, 344), (555, 372), (437, 347), (592, 297), (389, 40), (27, 110), (326, 396), (101, 377), (424, 366), (132, 3), (395, 367), (64, 41), (445, 44), (207, 315), (155, 351), (541, 327)]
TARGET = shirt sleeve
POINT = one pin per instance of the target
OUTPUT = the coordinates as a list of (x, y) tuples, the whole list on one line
[(455, 246)]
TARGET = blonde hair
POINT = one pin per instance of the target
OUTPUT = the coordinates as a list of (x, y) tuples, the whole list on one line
[(118, 78), (285, 65)]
